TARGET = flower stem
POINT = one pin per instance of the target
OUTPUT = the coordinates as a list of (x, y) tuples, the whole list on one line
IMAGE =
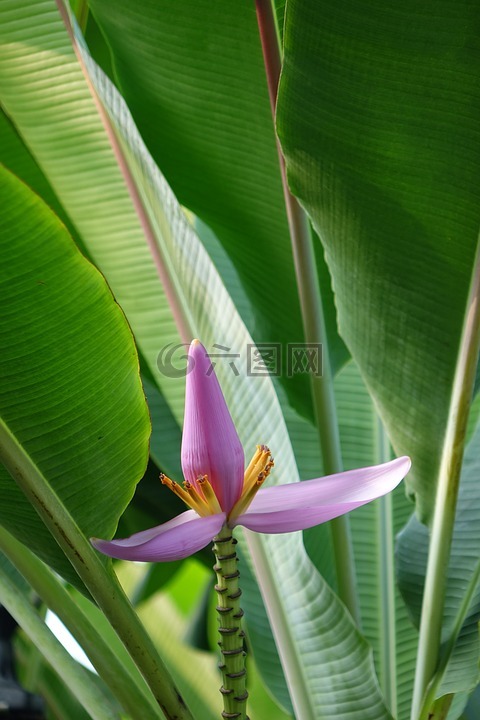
[(230, 615), (313, 322), (446, 496)]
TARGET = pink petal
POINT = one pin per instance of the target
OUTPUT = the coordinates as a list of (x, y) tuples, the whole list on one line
[(210, 444), (174, 540), (286, 508), (285, 521)]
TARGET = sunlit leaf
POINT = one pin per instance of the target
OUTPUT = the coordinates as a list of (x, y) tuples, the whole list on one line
[(68, 372)]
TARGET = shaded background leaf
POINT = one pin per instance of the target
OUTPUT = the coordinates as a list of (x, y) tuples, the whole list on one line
[(385, 156), (462, 673)]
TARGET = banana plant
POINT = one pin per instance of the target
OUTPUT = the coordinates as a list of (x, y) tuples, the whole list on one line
[(296, 185)]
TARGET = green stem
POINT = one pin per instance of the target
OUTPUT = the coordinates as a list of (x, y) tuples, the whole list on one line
[(230, 615), (446, 496), (102, 584), (313, 322), (386, 534), (75, 676), (59, 600)]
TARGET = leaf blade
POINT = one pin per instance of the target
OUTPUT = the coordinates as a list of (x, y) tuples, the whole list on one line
[(382, 200)]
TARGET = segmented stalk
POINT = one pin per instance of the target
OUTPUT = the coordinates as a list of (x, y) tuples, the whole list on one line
[(232, 636)]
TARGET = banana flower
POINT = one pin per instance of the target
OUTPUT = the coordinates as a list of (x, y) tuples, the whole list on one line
[(222, 494)]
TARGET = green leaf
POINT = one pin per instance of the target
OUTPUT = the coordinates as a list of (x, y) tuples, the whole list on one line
[(201, 105), (83, 174), (462, 673), (377, 115), (384, 618), (16, 157), (282, 564), (68, 371)]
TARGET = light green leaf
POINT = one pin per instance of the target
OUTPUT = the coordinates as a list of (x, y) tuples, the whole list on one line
[(332, 651), (472, 710), (201, 105), (195, 672), (280, 562), (83, 173), (68, 371), (49, 685), (378, 118), (108, 657), (16, 157)]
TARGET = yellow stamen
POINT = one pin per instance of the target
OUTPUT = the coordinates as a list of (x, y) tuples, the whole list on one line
[(197, 502), (200, 498), (209, 494), (175, 487), (261, 459), (255, 475), (244, 501), (188, 498), (253, 462)]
